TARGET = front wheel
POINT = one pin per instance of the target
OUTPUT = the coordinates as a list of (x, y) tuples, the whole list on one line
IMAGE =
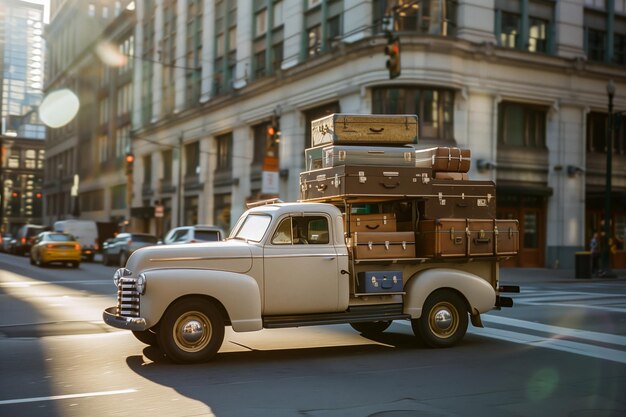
[(192, 330), (371, 328), (444, 320)]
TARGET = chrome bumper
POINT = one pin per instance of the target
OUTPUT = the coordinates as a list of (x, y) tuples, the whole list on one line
[(126, 323)]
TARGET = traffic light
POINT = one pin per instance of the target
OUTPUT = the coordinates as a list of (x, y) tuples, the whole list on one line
[(130, 161), (37, 205), (16, 203), (273, 136), (392, 49)]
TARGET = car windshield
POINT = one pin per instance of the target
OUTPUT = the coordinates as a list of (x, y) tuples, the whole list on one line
[(59, 237), (144, 239), (207, 235), (253, 227)]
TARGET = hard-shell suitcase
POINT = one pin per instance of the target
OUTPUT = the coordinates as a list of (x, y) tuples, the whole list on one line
[(480, 237), (459, 199), (379, 281), (313, 158), (379, 245), (442, 238), (358, 129), (507, 237), (364, 182), (335, 155), (375, 222), (444, 159)]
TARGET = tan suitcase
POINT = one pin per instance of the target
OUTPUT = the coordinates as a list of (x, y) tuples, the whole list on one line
[(381, 245), (443, 159), (383, 222), (442, 238), (507, 237), (358, 129), (481, 237)]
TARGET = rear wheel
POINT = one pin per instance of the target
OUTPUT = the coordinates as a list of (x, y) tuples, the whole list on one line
[(147, 336), (371, 327), (192, 330), (444, 320)]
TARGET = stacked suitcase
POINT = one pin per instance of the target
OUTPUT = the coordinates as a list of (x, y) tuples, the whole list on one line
[(374, 158)]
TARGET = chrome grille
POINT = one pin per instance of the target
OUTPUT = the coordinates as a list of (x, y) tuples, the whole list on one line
[(127, 298)]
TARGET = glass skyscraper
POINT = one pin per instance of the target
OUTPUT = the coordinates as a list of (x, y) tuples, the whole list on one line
[(22, 67)]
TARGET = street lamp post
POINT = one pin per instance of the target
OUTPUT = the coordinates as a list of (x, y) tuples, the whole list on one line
[(60, 197), (606, 252)]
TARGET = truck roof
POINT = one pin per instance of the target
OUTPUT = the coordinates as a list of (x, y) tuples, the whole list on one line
[(282, 208)]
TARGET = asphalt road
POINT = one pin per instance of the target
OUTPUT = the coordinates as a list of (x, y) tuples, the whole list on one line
[(560, 351)]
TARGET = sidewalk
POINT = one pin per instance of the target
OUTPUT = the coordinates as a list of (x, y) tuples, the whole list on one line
[(521, 275)]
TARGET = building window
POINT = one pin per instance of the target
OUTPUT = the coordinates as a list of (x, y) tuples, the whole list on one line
[(103, 148), (323, 22), (225, 59), (147, 62), (194, 52), (166, 158), (118, 197), (191, 210), (224, 152), (417, 16), (521, 125), (167, 56), (268, 42), (525, 25), (597, 130), (147, 171), (596, 45), (435, 108), (122, 141), (221, 210), (127, 50), (192, 159)]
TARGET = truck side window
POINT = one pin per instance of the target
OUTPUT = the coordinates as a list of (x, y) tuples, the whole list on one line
[(282, 236)]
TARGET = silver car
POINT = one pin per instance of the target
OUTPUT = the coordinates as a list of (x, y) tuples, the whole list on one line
[(117, 250), (194, 234)]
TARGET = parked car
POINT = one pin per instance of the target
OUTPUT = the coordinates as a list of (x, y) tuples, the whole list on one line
[(25, 236), (117, 250), (85, 231), (55, 247), (194, 234)]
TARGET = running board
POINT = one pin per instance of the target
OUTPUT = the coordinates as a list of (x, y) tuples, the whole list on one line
[(354, 314)]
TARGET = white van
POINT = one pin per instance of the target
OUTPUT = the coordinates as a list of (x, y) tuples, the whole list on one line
[(85, 232)]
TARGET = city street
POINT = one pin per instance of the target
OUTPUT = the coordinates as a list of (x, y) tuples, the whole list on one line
[(560, 351)]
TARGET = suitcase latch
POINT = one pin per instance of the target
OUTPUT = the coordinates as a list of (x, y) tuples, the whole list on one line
[(369, 245), (336, 181), (374, 282), (386, 245), (403, 247), (442, 201), (362, 180), (481, 202)]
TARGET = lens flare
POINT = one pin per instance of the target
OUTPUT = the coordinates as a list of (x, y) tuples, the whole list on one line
[(59, 108), (110, 55)]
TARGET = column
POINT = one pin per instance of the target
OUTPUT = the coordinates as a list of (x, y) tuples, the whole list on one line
[(293, 12), (208, 45), (475, 21), (157, 92), (181, 53)]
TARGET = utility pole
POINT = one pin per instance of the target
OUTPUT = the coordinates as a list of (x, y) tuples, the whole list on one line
[(179, 188)]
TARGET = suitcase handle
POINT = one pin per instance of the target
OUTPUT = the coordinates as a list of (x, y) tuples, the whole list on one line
[(461, 204), (377, 130), (321, 187), (482, 240), (390, 185), (367, 226)]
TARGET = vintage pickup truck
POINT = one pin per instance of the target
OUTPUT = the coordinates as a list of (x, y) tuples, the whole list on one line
[(290, 265)]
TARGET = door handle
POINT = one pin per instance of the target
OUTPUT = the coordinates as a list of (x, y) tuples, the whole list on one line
[(329, 258)]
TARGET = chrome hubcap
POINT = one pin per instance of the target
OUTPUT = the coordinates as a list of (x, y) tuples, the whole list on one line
[(192, 331), (443, 320)]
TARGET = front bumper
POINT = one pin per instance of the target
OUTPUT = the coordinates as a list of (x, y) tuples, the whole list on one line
[(127, 323)]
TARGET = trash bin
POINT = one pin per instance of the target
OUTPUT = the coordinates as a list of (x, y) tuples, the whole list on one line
[(583, 265)]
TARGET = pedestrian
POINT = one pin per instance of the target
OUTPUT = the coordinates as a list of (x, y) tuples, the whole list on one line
[(594, 246)]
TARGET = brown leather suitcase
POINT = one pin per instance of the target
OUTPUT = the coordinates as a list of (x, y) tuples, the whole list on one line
[(364, 181), (480, 237), (507, 237), (381, 245), (359, 129), (379, 222), (441, 238), (459, 199), (444, 159)]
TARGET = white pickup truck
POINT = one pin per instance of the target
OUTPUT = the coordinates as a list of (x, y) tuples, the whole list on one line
[(288, 265)]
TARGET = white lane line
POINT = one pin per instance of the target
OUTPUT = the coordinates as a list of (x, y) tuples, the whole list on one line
[(560, 331), (69, 396), (24, 284), (552, 343), (533, 302)]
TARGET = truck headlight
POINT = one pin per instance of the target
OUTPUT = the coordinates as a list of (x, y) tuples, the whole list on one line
[(141, 283), (119, 273)]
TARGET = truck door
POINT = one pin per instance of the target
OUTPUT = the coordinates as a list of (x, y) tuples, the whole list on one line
[(301, 267)]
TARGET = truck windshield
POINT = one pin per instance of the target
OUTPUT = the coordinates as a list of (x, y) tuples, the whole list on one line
[(253, 227)]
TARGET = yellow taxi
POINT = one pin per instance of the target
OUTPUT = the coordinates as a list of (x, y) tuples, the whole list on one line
[(49, 247)]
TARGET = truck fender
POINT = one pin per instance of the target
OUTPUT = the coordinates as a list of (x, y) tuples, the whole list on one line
[(480, 295), (238, 293)]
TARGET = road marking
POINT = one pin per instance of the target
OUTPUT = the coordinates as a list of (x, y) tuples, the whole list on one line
[(23, 284), (561, 331), (65, 397), (552, 343)]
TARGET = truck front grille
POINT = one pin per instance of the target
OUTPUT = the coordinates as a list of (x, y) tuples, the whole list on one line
[(127, 298)]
